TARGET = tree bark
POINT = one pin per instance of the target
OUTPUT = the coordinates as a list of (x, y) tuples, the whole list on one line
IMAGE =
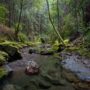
[(60, 37), (58, 15), (19, 20)]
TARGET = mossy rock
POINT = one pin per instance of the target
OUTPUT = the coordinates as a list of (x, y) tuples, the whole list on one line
[(3, 73), (42, 51), (80, 50), (13, 44), (46, 52), (33, 50), (11, 51), (3, 57), (33, 44)]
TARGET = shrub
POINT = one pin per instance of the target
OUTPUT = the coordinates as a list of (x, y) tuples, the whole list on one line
[(22, 37), (2, 72), (3, 12), (6, 33), (3, 57)]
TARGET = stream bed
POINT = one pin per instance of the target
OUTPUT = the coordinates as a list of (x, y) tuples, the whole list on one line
[(52, 76), (79, 66)]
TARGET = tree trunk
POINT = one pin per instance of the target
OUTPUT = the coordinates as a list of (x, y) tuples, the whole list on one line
[(58, 15), (19, 20), (60, 37)]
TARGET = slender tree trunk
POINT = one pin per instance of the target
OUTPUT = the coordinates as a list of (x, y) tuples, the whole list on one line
[(9, 20), (58, 15), (60, 37), (19, 20), (11, 8)]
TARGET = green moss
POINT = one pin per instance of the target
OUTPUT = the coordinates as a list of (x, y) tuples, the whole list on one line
[(80, 50), (3, 57), (57, 55), (12, 48), (2, 73), (84, 52), (55, 47), (12, 44), (33, 44), (72, 49)]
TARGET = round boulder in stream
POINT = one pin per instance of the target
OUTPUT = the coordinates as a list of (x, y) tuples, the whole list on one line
[(32, 68)]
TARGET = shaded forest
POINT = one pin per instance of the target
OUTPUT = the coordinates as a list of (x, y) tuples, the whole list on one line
[(43, 39)]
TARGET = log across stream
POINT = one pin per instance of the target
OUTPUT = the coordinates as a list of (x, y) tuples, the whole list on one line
[(52, 76)]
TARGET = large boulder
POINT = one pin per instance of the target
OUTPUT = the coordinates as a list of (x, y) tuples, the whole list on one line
[(11, 51)]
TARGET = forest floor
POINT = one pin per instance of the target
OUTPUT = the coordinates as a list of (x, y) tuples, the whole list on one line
[(55, 74)]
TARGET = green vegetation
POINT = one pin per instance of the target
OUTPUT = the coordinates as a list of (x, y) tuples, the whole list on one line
[(3, 57), (3, 12), (2, 73)]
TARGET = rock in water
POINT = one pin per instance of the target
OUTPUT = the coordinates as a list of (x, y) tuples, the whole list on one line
[(32, 50), (32, 68)]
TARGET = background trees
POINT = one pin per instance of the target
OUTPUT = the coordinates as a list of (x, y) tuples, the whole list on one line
[(70, 18)]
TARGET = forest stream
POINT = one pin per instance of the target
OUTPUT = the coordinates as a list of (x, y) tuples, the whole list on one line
[(54, 73), (44, 44)]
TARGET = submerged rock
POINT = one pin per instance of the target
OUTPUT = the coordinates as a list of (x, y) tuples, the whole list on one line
[(54, 80), (43, 84), (70, 76)]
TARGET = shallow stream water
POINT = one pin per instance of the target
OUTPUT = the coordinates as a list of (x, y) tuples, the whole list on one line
[(49, 67)]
